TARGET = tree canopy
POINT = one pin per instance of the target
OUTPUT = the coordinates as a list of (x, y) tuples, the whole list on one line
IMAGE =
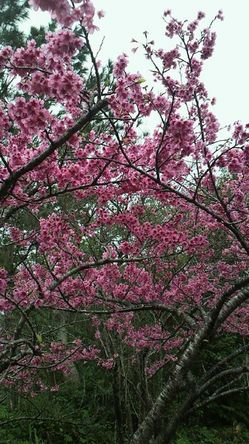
[(122, 247)]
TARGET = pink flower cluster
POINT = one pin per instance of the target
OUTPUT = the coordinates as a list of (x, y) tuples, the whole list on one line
[(66, 15), (208, 44), (5, 54), (29, 115)]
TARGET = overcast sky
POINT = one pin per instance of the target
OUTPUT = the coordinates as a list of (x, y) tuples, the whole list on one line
[(226, 75)]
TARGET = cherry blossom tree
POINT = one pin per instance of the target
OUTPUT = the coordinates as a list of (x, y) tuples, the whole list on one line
[(141, 236)]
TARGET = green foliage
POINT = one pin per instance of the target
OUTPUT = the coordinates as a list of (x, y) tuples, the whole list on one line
[(12, 12), (38, 34), (77, 413), (209, 435)]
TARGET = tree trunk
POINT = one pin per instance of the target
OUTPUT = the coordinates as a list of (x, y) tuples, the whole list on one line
[(117, 407), (151, 425)]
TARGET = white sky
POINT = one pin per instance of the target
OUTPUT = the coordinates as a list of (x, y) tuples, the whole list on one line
[(226, 74)]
